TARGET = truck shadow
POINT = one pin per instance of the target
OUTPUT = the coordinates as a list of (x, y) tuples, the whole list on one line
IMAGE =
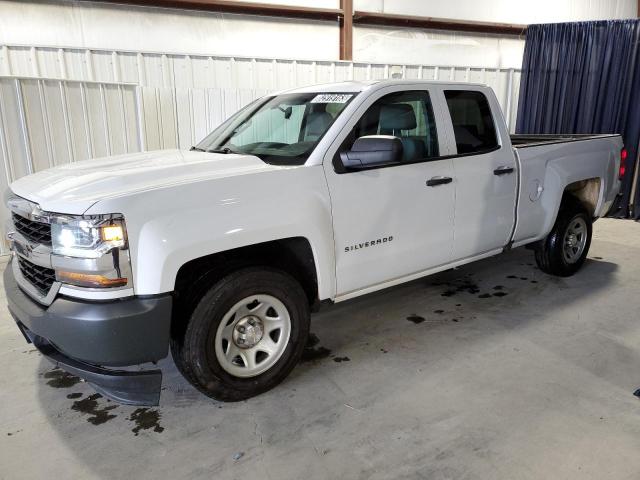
[(361, 346), (480, 291)]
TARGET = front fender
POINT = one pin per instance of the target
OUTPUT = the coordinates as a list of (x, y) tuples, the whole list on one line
[(171, 226)]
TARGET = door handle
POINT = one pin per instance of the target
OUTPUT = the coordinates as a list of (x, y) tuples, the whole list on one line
[(504, 170), (435, 181)]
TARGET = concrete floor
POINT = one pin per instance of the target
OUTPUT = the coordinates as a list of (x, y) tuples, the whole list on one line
[(537, 383)]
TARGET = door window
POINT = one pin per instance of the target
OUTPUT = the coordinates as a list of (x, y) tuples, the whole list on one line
[(406, 115), (473, 125)]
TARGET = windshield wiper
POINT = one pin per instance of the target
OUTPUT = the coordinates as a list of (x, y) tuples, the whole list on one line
[(197, 149), (224, 150)]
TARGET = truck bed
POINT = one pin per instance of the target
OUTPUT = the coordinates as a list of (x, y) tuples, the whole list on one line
[(526, 140), (548, 163)]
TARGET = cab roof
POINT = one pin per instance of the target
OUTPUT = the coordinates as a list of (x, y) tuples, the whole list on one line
[(359, 86)]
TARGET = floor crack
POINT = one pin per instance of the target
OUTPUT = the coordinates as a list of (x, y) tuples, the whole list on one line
[(255, 429)]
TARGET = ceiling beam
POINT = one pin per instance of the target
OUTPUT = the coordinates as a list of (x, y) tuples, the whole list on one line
[(394, 20), (239, 7), (345, 16)]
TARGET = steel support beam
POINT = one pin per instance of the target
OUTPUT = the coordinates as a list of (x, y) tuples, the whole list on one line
[(239, 7), (346, 30)]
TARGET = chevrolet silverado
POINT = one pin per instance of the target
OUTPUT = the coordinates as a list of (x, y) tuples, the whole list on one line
[(318, 194)]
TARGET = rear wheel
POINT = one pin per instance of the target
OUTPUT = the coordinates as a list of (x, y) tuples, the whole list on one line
[(245, 334), (565, 249)]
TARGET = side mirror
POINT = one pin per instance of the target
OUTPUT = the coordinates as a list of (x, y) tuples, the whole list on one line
[(372, 151)]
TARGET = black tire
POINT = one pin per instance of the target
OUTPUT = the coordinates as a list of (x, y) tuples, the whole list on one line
[(194, 353), (549, 251)]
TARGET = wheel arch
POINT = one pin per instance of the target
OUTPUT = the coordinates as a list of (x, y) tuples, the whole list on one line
[(587, 192), (293, 255)]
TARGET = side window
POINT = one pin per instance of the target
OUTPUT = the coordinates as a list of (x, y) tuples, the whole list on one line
[(406, 115), (473, 125)]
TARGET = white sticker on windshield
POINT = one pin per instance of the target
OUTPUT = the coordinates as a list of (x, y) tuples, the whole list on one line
[(332, 98)]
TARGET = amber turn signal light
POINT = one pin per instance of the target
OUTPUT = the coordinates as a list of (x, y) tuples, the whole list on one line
[(88, 280), (112, 233)]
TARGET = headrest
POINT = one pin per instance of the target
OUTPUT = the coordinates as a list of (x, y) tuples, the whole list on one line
[(317, 124), (397, 116)]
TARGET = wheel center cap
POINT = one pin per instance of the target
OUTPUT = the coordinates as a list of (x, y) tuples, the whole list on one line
[(248, 332), (572, 240)]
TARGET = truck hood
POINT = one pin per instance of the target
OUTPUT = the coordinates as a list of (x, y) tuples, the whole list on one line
[(75, 187)]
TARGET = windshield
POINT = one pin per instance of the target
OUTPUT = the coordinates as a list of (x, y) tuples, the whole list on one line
[(281, 130)]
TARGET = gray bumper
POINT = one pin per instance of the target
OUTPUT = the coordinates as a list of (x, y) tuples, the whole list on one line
[(89, 335), (113, 333)]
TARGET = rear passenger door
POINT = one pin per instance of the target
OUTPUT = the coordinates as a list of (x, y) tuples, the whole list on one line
[(485, 173)]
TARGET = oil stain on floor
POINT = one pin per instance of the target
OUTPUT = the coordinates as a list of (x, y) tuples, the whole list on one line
[(312, 351), (415, 318), (89, 406), (58, 378), (341, 359), (146, 419), (465, 284), (96, 414)]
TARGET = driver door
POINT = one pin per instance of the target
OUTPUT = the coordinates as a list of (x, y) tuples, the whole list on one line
[(394, 221)]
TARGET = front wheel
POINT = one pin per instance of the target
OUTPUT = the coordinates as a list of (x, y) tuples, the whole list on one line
[(565, 249), (245, 335)]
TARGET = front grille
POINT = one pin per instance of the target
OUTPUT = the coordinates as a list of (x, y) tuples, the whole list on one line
[(40, 277), (36, 232)]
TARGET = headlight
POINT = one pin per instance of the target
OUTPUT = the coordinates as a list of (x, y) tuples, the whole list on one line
[(90, 251), (86, 238)]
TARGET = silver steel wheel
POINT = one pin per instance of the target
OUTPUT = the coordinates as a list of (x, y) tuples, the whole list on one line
[(252, 336), (575, 239)]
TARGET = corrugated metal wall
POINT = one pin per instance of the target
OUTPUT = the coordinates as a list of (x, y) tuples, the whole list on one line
[(46, 122), (59, 105)]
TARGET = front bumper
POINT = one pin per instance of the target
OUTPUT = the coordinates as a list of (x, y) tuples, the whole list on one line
[(83, 337)]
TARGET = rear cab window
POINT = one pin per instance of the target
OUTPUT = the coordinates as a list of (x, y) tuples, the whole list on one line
[(473, 125)]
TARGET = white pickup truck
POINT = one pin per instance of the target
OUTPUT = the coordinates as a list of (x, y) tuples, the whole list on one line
[(322, 193)]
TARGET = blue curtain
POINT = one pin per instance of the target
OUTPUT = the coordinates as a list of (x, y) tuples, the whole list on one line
[(584, 77)]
